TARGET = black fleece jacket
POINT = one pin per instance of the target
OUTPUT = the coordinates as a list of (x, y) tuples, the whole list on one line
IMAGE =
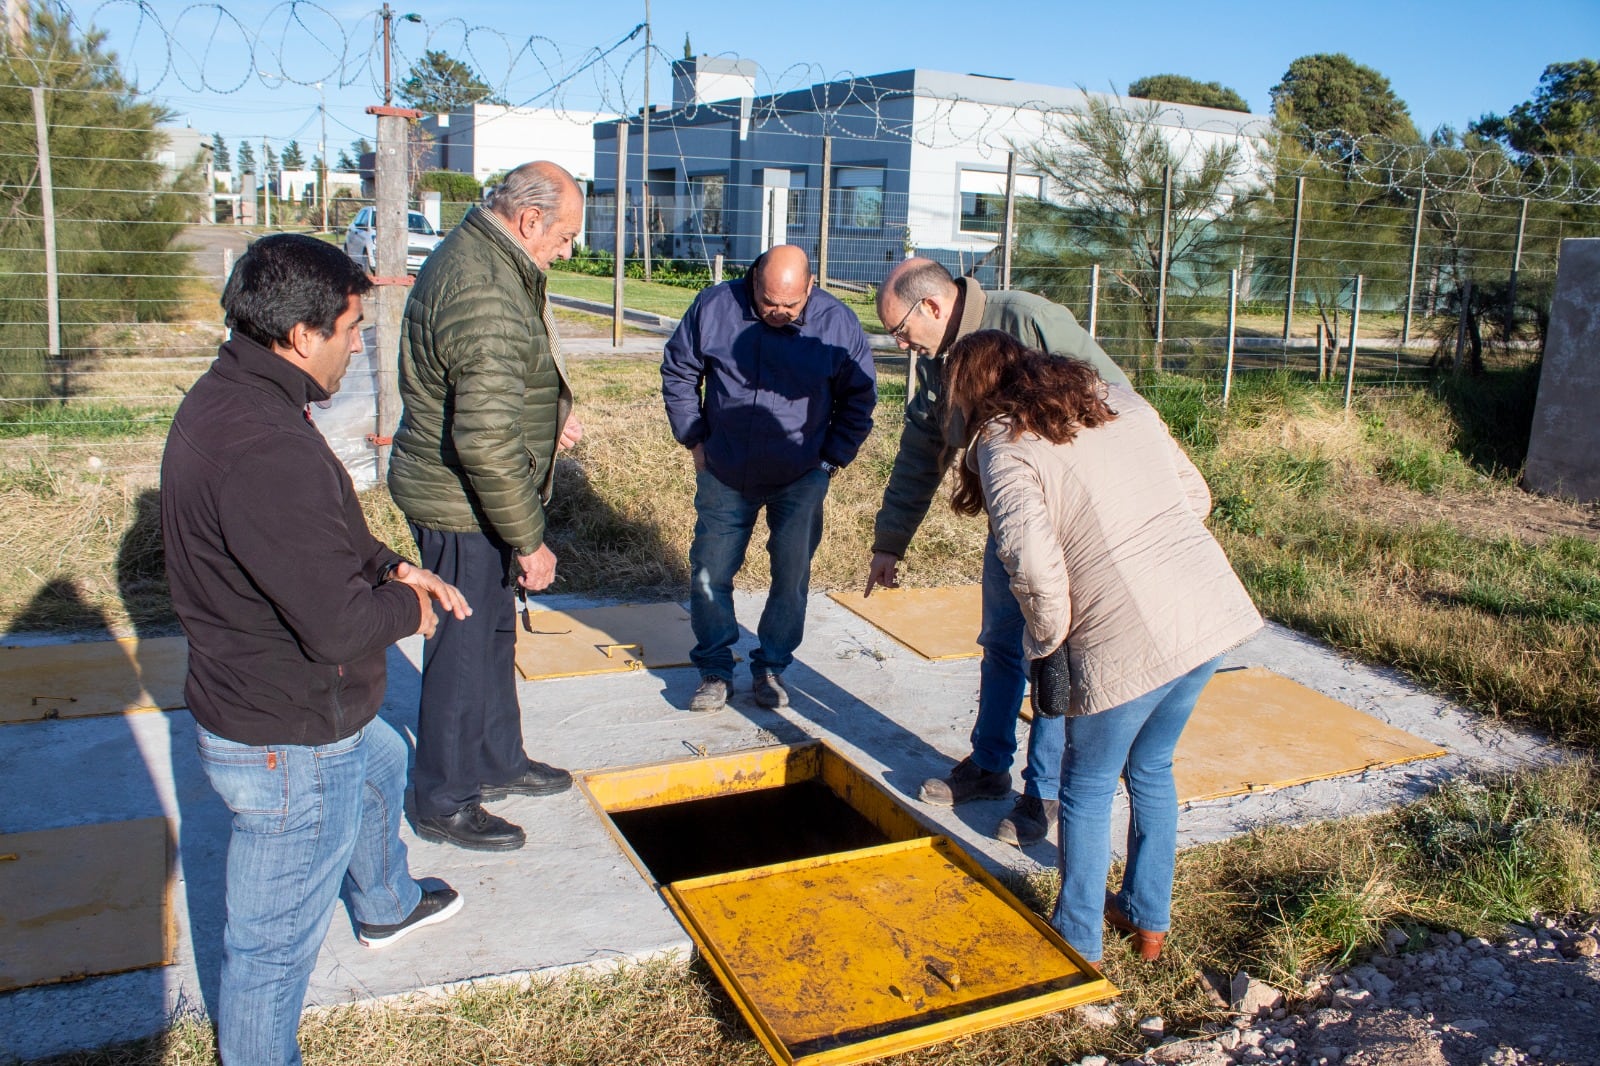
[(274, 574)]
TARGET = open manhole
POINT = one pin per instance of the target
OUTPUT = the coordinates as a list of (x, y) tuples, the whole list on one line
[(843, 926)]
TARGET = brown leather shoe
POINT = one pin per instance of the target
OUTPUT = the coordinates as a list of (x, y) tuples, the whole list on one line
[(1146, 943)]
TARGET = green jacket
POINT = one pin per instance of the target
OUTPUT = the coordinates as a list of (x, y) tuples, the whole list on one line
[(485, 396), (914, 481)]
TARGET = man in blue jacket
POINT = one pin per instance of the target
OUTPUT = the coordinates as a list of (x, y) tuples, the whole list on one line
[(770, 385)]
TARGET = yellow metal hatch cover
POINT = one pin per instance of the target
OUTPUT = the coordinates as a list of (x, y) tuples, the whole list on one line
[(848, 957)]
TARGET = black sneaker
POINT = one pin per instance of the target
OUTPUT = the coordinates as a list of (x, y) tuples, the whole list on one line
[(968, 781), (437, 905), (712, 695), (539, 779), (769, 692), (472, 827), (1028, 821)]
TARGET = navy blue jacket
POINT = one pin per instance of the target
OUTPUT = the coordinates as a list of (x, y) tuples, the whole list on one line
[(768, 405)]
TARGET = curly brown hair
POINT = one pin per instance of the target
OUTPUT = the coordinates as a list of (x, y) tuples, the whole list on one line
[(990, 374)]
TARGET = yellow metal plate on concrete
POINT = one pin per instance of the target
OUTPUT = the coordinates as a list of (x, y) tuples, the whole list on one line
[(603, 640), (1254, 730), (939, 623), (849, 957), (96, 677), (86, 899)]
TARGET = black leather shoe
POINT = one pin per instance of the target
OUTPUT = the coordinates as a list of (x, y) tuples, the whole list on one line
[(538, 779), (472, 827)]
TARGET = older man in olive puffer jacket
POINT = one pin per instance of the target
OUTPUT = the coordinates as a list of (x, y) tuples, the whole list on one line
[(486, 408)]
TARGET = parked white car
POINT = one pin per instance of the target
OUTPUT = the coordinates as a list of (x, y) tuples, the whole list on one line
[(361, 239)]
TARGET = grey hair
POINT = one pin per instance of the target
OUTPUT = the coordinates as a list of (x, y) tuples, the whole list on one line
[(537, 184), (918, 282)]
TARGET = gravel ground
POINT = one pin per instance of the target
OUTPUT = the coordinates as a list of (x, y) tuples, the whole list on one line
[(1529, 999)]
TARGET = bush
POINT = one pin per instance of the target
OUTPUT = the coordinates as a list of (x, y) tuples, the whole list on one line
[(455, 186), (685, 273)]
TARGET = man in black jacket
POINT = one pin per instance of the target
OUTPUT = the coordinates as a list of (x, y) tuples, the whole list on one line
[(289, 604)]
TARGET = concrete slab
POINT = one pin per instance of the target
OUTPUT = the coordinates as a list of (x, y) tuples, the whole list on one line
[(571, 898)]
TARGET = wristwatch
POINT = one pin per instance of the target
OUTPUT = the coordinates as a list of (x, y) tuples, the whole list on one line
[(387, 573), (828, 468)]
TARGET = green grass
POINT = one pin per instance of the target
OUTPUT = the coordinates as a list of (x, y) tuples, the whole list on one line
[(85, 421)]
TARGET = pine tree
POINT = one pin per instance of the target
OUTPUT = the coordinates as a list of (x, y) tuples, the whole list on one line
[(220, 158), (117, 210), (293, 157)]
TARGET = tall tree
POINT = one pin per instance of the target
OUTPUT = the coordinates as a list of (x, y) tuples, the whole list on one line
[(438, 83), (1562, 117), (1107, 165), (1329, 101), (293, 157), (220, 157), (117, 210), (1177, 89), (350, 159), (247, 158)]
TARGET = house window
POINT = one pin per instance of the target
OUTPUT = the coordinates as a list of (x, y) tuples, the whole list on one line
[(705, 200), (860, 197), (983, 199)]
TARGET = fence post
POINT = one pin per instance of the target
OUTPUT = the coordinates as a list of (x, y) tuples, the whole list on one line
[(1094, 300), (1322, 351), (772, 218), (1294, 264), (1461, 326), (1161, 282), (823, 212), (1007, 229), (227, 264), (716, 270), (47, 197), (1516, 268), (266, 186), (1350, 363), (644, 144), (1416, 252), (618, 261), (1233, 318)]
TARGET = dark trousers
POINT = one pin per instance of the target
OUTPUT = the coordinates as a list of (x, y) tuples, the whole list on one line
[(469, 724)]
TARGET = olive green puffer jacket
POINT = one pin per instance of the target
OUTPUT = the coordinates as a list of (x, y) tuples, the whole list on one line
[(485, 398)]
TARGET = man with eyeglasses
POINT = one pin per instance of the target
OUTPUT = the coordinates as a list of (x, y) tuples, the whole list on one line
[(931, 311), (770, 385)]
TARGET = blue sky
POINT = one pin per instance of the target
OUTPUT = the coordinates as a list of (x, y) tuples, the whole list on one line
[(1450, 62)]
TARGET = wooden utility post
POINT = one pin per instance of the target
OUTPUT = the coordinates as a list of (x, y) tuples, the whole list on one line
[(389, 267), (644, 148)]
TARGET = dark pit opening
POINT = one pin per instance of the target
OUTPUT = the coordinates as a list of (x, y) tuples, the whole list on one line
[(677, 841)]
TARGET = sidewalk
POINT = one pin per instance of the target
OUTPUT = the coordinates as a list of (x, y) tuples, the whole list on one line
[(571, 898)]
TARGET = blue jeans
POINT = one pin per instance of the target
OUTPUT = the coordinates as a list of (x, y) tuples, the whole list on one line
[(1134, 741), (1002, 680), (724, 522), (306, 821)]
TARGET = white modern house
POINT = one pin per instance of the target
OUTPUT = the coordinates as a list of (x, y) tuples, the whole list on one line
[(918, 163), (485, 139)]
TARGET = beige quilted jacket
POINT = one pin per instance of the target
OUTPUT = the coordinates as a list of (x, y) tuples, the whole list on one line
[(1106, 546)]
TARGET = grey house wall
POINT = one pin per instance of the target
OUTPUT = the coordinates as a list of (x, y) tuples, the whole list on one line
[(783, 132)]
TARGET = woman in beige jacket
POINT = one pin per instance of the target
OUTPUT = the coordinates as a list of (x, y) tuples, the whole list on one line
[(1129, 604)]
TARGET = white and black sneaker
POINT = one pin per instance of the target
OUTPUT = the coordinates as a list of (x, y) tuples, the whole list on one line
[(437, 905)]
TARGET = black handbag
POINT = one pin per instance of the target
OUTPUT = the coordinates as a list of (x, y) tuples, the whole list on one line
[(1051, 682)]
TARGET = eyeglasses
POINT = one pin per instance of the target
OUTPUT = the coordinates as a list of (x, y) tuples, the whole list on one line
[(899, 332)]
